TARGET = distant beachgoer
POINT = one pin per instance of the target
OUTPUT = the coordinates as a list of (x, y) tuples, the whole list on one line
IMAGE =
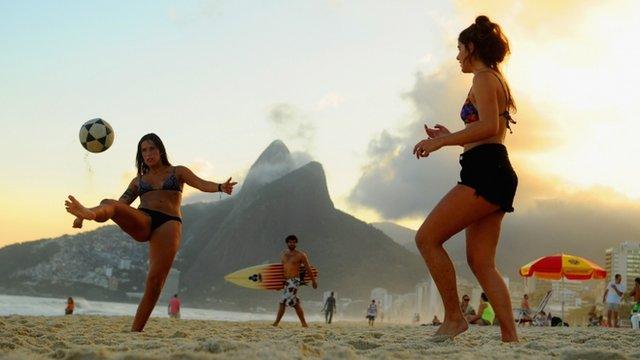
[(465, 307), (436, 321), (485, 315), (291, 260), (70, 306), (329, 308), (635, 316), (157, 219), (372, 312), (174, 307), (487, 184), (526, 309), (612, 298)]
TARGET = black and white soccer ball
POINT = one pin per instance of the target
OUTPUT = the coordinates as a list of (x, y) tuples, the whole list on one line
[(96, 135)]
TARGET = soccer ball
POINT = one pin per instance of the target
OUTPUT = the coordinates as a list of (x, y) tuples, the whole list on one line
[(96, 135)]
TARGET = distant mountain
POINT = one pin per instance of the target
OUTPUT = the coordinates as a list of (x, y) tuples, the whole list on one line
[(403, 236), (275, 201), (246, 229)]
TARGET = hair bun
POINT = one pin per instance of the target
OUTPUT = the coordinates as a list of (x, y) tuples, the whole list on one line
[(483, 20)]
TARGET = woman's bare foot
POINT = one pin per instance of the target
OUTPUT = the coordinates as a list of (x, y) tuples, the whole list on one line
[(74, 207), (77, 223), (509, 338), (450, 329)]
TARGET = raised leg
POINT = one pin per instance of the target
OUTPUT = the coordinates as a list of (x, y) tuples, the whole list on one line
[(458, 209), (163, 247), (132, 221), (482, 241)]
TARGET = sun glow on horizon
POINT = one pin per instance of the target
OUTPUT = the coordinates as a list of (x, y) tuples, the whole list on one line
[(583, 86)]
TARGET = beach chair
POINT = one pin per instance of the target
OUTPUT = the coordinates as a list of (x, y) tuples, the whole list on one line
[(535, 318)]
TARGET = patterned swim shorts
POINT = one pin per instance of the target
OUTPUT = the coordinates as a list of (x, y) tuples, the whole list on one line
[(290, 292)]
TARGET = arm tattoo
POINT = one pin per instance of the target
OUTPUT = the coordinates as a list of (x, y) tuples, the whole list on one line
[(128, 196)]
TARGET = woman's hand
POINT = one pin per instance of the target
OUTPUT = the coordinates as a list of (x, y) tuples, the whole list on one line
[(425, 147), (227, 187), (436, 131)]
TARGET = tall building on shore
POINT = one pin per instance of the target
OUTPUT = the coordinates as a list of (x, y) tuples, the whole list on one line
[(623, 259)]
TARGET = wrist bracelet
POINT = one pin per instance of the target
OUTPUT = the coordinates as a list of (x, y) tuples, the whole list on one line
[(219, 187)]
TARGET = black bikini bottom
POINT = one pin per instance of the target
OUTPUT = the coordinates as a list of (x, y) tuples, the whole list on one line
[(486, 168), (158, 218)]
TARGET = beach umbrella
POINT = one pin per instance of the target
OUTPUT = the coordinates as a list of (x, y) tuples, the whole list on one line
[(563, 266)]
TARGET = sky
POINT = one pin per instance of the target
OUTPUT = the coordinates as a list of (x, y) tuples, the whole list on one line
[(347, 83)]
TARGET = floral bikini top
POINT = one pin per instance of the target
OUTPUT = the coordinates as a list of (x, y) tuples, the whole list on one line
[(469, 113)]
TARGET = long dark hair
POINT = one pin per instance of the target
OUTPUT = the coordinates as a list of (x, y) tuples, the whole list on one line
[(142, 167), (490, 45)]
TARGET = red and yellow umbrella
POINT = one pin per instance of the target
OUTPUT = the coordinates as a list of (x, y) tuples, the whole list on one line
[(558, 266)]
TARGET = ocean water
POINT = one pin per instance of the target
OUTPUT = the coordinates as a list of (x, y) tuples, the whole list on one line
[(42, 306)]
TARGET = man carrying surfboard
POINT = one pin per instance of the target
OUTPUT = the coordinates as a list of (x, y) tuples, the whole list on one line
[(292, 260)]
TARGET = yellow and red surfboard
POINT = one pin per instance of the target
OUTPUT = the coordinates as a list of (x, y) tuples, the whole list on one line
[(264, 277)]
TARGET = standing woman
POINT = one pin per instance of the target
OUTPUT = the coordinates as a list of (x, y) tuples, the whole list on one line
[(488, 183), (157, 220)]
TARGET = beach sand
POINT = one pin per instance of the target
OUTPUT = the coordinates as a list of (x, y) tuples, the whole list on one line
[(99, 337)]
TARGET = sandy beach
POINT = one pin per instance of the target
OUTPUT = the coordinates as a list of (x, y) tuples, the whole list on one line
[(100, 337)]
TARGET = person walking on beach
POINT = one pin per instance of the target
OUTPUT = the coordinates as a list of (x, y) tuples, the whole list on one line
[(174, 307), (612, 298), (329, 308), (478, 203), (157, 220), (68, 310), (485, 314), (372, 311), (465, 307), (292, 259)]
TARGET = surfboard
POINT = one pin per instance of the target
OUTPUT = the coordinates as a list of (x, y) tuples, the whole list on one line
[(264, 277)]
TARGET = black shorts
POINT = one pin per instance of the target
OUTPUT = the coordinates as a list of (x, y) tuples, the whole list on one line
[(158, 218), (486, 169)]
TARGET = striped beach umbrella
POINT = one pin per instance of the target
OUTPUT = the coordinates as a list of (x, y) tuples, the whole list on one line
[(563, 266)]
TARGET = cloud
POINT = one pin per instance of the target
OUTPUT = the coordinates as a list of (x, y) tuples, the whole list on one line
[(291, 124), (397, 185), (329, 101), (265, 172)]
